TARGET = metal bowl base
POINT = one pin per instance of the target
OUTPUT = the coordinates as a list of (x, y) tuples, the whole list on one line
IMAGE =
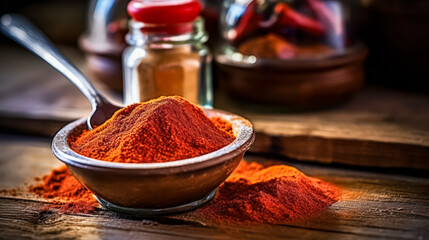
[(146, 212)]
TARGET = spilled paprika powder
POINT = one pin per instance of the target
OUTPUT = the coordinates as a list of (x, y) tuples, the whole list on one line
[(66, 191), (161, 130), (257, 193), (253, 194), (170, 128)]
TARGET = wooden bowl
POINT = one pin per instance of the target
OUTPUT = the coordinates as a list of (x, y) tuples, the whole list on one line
[(295, 83)]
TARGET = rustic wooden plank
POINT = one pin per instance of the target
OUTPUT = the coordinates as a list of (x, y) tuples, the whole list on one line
[(373, 205), (23, 159), (32, 222), (378, 127)]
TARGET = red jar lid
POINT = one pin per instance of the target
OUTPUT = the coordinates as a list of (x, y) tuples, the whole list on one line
[(164, 11)]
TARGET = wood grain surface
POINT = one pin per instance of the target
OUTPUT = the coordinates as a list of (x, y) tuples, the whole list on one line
[(378, 127), (373, 206)]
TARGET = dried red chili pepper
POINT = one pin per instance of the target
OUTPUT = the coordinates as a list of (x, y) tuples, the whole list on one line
[(248, 23), (288, 17)]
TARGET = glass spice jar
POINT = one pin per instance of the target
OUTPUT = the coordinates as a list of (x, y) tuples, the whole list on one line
[(167, 53)]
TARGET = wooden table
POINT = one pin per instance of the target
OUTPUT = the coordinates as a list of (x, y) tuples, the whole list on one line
[(373, 206), (389, 133)]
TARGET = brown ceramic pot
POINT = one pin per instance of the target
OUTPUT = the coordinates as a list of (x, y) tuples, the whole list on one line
[(301, 83)]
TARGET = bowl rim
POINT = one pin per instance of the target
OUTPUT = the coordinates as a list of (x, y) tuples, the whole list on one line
[(244, 139), (357, 52)]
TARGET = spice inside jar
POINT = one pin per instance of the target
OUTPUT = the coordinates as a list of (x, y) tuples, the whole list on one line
[(169, 72)]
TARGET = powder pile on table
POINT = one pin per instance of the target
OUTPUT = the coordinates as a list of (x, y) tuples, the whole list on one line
[(64, 190), (253, 194), (258, 193)]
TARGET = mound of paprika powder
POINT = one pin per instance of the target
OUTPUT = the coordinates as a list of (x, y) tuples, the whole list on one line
[(276, 194), (161, 130)]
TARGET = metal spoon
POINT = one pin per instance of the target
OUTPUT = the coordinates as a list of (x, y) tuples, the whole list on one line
[(23, 32)]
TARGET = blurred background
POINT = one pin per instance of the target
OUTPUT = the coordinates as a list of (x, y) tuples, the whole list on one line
[(62, 21), (396, 32)]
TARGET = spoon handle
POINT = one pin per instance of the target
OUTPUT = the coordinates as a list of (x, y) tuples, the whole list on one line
[(23, 32)]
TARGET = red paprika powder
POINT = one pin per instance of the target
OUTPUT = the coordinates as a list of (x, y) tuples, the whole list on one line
[(65, 190), (255, 193), (269, 46), (288, 17), (274, 46), (160, 130)]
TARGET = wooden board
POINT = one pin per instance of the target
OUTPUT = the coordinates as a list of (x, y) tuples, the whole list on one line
[(373, 206), (376, 128)]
